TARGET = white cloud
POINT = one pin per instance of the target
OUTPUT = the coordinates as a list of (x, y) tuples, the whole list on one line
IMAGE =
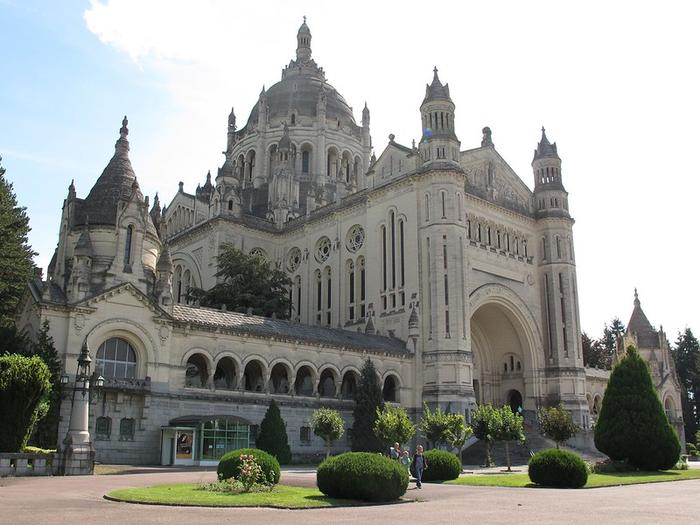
[(614, 82)]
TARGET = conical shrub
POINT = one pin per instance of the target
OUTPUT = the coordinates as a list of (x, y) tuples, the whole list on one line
[(633, 425), (272, 437)]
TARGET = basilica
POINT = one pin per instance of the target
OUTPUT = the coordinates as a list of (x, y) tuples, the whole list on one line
[(434, 260)]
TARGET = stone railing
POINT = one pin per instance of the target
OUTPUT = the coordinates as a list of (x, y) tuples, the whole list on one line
[(22, 464)]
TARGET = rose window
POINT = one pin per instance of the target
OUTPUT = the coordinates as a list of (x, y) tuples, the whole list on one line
[(355, 238), (323, 249)]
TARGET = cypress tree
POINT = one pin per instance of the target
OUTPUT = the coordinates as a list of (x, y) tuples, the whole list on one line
[(46, 430), (16, 264), (633, 425), (273, 435), (368, 398)]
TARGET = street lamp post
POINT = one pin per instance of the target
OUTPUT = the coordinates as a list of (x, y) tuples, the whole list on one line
[(78, 454)]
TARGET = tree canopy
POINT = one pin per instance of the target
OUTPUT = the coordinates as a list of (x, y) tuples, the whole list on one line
[(686, 355), (444, 428), (368, 398), (327, 424), (246, 282), (393, 425), (24, 382), (16, 266), (556, 423), (632, 424)]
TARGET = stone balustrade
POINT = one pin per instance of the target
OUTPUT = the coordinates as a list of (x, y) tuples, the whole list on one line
[(23, 464)]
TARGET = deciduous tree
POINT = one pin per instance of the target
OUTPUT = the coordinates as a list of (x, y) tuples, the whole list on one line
[(328, 425), (393, 425)]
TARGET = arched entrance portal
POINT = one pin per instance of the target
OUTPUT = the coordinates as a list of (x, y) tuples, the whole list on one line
[(515, 400), (503, 356)]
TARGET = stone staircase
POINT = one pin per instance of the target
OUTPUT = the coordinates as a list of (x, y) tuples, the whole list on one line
[(474, 452)]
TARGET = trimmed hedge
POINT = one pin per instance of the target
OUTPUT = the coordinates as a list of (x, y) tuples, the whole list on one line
[(558, 468), (362, 476), (442, 466), (228, 464)]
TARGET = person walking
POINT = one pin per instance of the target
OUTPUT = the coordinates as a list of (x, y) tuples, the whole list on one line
[(406, 462), (395, 451), (420, 463)]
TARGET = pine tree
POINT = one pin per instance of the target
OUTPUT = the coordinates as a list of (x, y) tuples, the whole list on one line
[(368, 398), (272, 437), (632, 424), (46, 430), (245, 282), (16, 265), (686, 355)]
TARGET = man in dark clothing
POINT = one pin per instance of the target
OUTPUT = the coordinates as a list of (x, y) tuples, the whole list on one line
[(420, 463)]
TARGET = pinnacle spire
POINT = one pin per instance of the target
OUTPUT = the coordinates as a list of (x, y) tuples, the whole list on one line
[(303, 43), (636, 298)]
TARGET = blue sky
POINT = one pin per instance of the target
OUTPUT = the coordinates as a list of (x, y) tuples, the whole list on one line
[(615, 83)]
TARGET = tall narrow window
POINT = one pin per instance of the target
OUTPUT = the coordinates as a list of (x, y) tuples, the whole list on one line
[(384, 275), (401, 253), (447, 291), (298, 290), (392, 220), (442, 198), (361, 265), (447, 323), (427, 207), (305, 162), (563, 315), (319, 296), (351, 290), (459, 206), (328, 296), (127, 244), (558, 248)]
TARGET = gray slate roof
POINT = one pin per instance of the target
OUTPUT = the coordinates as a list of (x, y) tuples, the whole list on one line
[(266, 327), (639, 325)]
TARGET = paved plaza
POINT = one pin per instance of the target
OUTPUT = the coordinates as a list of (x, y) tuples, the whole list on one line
[(79, 501)]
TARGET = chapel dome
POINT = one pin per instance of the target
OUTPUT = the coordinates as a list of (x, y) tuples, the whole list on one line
[(302, 86), (300, 94)]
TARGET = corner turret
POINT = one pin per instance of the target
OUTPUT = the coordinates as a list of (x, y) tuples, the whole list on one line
[(439, 143)]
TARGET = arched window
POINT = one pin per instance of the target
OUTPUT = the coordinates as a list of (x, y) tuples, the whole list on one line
[(427, 207), (319, 296), (116, 359), (329, 297), (442, 199), (230, 204), (225, 374), (361, 269)]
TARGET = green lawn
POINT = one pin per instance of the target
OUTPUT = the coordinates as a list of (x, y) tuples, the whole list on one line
[(282, 496), (594, 480)]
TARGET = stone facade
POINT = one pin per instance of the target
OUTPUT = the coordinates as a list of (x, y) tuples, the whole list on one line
[(438, 263)]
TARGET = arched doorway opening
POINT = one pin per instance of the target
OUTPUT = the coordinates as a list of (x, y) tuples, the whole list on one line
[(503, 363), (515, 401)]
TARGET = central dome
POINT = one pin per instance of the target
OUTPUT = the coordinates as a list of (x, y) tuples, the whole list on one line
[(302, 88), (299, 95)]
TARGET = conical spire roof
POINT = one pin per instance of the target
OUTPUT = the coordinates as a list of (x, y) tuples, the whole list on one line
[(115, 183), (436, 90), (639, 325), (165, 262), (545, 148)]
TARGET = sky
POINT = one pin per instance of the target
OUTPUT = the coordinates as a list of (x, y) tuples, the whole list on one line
[(616, 84)]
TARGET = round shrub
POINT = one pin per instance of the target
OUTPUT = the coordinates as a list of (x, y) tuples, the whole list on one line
[(362, 476), (558, 468), (442, 466), (228, 464)]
